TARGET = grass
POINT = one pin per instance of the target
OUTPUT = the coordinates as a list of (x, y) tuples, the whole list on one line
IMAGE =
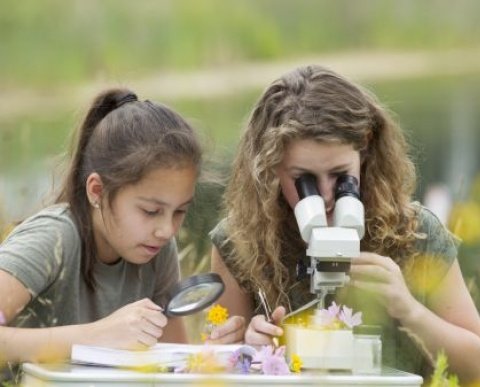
[(56, 42)]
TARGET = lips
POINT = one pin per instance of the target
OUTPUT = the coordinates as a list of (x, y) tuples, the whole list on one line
[(152, 249)]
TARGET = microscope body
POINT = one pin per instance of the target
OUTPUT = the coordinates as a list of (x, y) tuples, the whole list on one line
[(330, 248)]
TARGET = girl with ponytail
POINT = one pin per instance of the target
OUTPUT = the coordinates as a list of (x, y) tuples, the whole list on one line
[(96, 266)]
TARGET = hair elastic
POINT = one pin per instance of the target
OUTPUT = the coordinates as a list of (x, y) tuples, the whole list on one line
[(130, 97)]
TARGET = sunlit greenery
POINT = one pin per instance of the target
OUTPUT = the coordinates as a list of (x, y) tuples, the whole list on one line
[(52, 46), (54, 41)]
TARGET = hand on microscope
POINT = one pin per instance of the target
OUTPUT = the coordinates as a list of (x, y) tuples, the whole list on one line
[(262, 331), (383, 278)]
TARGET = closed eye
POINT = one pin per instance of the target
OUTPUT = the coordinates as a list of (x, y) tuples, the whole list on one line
[(338, 174), (150, 213)]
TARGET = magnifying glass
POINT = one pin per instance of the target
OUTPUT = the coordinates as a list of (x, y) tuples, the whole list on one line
[(194, 294)]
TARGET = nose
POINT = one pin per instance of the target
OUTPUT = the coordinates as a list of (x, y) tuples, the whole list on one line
[(325, 187), (164, 228)]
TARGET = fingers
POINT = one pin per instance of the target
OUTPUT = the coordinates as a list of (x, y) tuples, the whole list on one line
[(260, 332), (231, 332), (374, 267), (145, 339), (366, 258), (369, 272), (147, 303), (278, 314), (146, 321), (155, 317)]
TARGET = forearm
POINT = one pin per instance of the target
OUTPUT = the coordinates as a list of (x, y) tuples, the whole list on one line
[(433, 334), (40, 344)]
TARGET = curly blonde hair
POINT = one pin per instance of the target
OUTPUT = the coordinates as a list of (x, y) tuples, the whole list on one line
[(314, 103)]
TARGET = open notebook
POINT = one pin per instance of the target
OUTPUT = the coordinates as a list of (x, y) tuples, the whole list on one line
[(161, 355)]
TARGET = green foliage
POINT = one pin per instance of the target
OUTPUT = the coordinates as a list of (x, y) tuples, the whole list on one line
[(440, 377), (57, 42)]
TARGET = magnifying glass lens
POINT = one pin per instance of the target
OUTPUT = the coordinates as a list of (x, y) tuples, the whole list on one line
[(194, 294)]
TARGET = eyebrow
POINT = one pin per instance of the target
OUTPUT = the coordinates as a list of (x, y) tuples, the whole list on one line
[(162, 203), (336, 168)]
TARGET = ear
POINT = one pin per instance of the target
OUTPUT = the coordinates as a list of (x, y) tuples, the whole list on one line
[(94, 189)]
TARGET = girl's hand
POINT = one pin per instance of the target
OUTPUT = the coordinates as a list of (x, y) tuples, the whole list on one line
[(136, 325), (232, 331), (382, 277), (261, 332)]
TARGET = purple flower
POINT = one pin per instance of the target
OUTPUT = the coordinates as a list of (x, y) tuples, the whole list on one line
[(241, 360), (348, 319), (3, 320)]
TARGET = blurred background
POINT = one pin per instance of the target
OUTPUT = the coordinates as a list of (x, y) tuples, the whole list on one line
[(210, 60)]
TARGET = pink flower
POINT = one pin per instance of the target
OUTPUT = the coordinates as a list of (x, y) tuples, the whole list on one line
[(337, 317), (275, 365), (3, 320), (273, 360), (348, 319), (328, 316), (333, 309)]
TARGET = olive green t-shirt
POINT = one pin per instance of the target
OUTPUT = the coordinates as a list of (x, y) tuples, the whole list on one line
[(43, 253), (436, 252)]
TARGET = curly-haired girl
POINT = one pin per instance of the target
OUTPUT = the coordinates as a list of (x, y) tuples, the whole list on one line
[(407, 277)]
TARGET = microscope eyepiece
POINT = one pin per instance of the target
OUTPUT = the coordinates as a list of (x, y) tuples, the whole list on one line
[(347, 185), (306, 185)]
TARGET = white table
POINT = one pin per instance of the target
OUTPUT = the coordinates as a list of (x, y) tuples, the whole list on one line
[(67, 375)]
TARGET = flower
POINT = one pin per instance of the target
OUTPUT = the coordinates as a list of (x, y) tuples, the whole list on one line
[(3, 320), (296, 363), (338, 317), (217, 315), (203, 362), (349, 319), (241, 359), (272, 360)]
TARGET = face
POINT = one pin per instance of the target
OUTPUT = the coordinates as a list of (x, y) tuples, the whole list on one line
[(143, 217), (324, 160)]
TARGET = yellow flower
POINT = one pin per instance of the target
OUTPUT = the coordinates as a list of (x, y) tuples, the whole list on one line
[(465, 221), (296, 363), (217, 315), (204, 362)]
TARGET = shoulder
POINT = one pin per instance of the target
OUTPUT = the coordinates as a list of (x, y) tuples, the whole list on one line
[(436, 238), (58, 215), (37, 249), (55, 221)]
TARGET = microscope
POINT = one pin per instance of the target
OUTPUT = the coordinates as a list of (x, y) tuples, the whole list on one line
[(330, 248)]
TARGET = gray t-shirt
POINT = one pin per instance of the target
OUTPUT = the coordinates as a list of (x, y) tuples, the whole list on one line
[(43, 253)]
